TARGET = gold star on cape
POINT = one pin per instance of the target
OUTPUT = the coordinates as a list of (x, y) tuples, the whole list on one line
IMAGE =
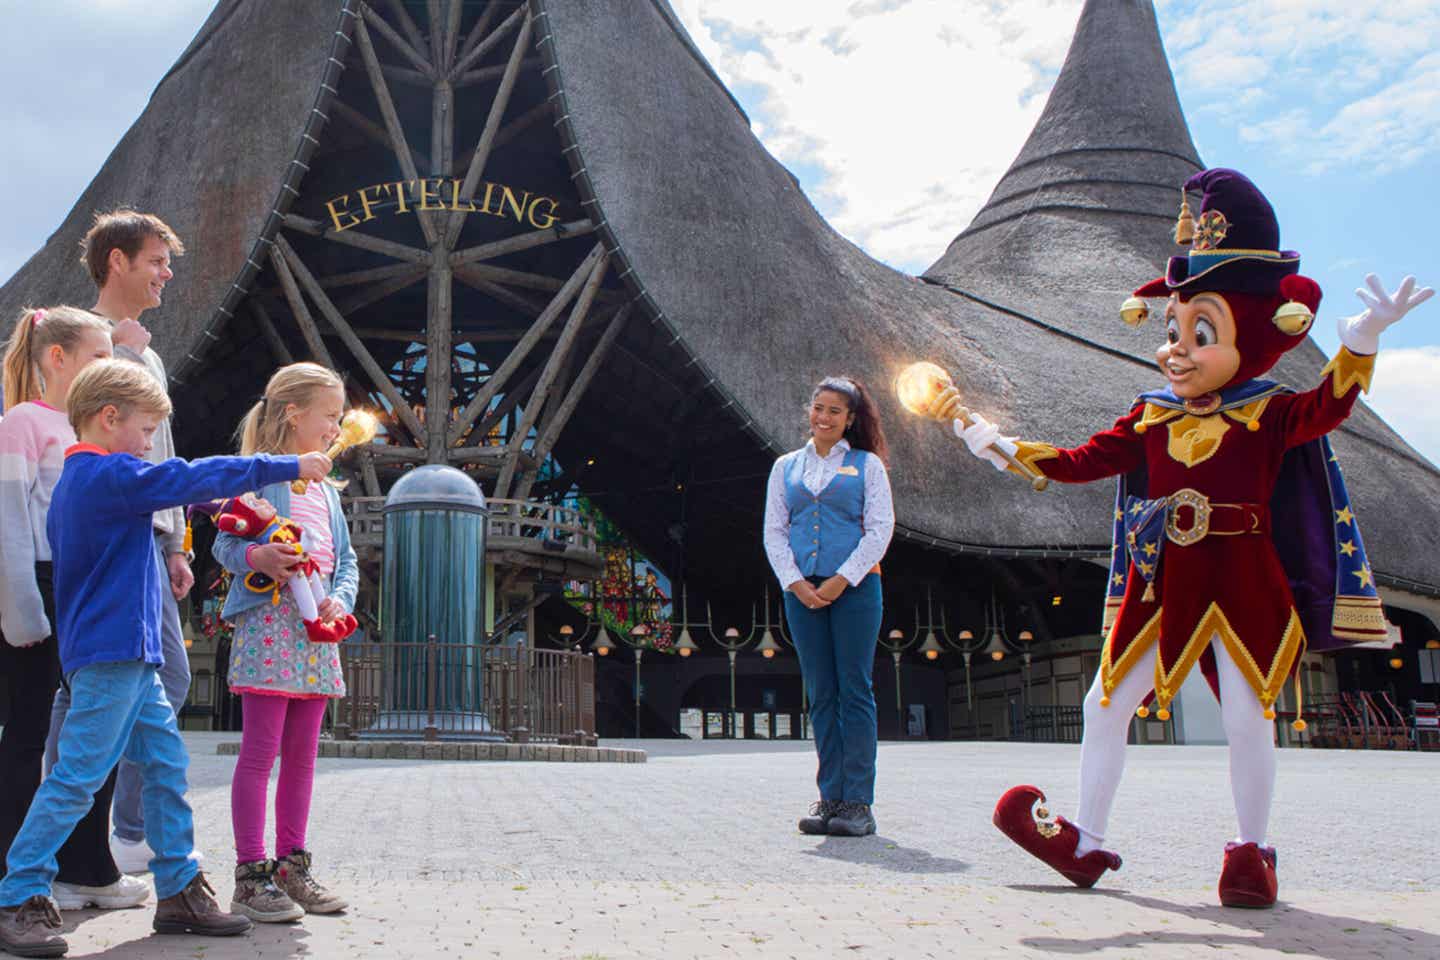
[(1348, 548), (1150, 549), (1344, 516), (1364, 574)]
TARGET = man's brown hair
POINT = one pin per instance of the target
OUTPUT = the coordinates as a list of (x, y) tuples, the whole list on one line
[(126, 386), (127, 231)]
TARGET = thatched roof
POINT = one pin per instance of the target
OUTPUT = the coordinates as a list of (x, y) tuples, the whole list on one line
[(748, 295)]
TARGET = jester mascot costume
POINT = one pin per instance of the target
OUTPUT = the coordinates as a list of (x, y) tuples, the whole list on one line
[(1235, 544)]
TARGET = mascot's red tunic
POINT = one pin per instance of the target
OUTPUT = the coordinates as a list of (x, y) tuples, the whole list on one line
[(1232, 525), (1216, 465)]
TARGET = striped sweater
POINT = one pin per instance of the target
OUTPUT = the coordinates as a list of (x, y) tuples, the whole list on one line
[(33, 439)]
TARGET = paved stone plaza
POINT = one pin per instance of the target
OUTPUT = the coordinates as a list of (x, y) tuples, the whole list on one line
[(694, 854)]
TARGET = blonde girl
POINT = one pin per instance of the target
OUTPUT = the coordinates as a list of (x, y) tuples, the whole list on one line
[(48, 348), (285, 680)]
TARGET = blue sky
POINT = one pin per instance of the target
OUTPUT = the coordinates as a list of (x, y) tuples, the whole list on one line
[(1331, 106)]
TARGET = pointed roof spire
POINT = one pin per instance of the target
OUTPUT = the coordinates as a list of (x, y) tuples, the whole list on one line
[(1089, 203)]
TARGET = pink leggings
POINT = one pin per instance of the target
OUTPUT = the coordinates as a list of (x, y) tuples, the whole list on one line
[(290, 727)]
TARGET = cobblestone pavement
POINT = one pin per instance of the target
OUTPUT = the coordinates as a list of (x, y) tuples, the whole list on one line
[(694, 854)]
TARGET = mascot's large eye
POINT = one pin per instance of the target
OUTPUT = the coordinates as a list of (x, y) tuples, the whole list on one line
[(1204, 333), (1172, 330)]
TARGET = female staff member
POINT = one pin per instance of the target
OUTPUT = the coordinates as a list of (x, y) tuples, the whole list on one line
[(828, 520)]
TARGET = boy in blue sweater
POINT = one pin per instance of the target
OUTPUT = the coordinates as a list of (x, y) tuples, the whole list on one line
[(108, 593)]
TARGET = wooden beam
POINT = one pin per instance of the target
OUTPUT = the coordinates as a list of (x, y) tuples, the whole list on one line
[(552, 367), (477, 32), (392, 121), (525, 241), (363, 298), (354, 238), (507, 403), (546, 441), (521, 123), (371, 129), (356, 277), (532, 336), (385, 452), (368, 478), (530, 308), (492, 125), (306, 322), (485, 74), (407, 76), (356, 346), (272, 335), (407, 23), (398, 42), (474, 53)]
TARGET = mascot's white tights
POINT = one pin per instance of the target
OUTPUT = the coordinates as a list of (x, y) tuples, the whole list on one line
[(1102, 749), (307, 591)]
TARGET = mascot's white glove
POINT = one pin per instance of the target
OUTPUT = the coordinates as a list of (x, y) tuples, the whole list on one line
[(1361, 334), (984, 440)]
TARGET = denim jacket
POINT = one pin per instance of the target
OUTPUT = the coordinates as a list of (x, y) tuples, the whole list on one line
[(230, 551)]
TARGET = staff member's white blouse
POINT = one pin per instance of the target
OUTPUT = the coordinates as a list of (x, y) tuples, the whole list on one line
[(878, 518)]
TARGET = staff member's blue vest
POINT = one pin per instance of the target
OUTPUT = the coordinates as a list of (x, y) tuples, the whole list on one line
[(825, 528)]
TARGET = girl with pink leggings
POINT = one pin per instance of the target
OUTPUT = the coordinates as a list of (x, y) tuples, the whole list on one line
[(283, 676)]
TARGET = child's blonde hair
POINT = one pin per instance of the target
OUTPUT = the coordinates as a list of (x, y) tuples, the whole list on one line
[(265, 427), (126, 386), (35, 332)]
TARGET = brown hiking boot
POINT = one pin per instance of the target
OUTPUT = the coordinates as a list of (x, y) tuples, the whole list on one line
[(195, 910), (292, 875), (257, 896), (32, 929)]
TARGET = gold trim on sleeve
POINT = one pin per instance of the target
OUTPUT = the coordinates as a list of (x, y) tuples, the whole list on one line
[(1346, 369), (1030, 452)]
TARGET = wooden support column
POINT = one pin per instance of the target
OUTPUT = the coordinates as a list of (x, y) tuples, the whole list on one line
[(438, 348), (524, 241), (372, 129), (503, 408), (272, 335), (548, 436), (552, 368), (308, 328), (407, 23), (401, 408), (522, 349)]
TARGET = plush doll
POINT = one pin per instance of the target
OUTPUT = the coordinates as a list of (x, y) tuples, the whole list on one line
[(1234, 541), (254, 518)]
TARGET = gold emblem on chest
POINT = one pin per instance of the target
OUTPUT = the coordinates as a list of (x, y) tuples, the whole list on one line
[(1194, 440)]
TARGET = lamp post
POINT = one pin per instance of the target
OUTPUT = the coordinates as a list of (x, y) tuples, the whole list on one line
[(896, 642), (638, 633)]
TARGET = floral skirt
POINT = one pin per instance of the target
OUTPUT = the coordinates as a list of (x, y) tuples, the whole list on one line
[(270, 653)]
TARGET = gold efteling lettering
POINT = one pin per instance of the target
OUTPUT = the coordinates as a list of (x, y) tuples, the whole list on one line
[(442, 193)]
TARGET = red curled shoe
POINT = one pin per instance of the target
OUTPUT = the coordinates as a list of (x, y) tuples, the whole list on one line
[(1050, 841), (318, 631), (1248, 878)]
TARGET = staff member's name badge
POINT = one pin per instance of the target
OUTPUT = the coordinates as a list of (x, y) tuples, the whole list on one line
[(848, 472)]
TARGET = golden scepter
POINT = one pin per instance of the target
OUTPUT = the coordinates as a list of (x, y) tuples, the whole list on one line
[(928, 391), (356, 428)]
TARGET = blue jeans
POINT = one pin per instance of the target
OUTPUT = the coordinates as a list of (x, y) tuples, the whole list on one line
[(116, 710), (836, 646), (128, 814)]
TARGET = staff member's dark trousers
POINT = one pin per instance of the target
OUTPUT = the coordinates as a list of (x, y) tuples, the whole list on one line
[(836, 645), (32, 675)]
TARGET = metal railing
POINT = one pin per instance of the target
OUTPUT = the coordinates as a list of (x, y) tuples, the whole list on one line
[(510, 520), (439, 691), (1063, 724)]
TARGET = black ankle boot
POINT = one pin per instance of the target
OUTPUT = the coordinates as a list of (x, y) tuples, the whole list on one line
[(818, 822), (852, 820)]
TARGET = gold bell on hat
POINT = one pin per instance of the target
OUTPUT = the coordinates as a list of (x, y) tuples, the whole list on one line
[(1185, 225), (1293, 318), (1134, 311)]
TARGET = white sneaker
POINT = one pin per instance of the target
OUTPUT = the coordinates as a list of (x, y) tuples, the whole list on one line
[(125, 892), (131, 856)]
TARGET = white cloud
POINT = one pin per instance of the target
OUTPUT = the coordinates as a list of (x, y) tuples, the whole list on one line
[(908, 110), (1349, 85), (1403, 393)]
